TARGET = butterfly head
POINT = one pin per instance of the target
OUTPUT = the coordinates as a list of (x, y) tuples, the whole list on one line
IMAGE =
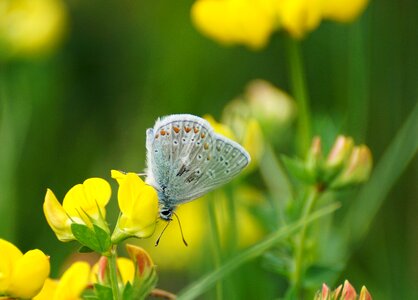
[(166, 213)]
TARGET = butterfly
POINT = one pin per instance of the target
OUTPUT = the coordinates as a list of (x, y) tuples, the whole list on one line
[(186, 159)]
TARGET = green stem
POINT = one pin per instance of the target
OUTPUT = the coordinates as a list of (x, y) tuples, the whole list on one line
[(113, 271), (300, 93), (233, 234), (300, 246), (217, 250)]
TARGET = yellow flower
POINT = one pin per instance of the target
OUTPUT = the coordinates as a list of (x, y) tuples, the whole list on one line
[(31, 27), (299, 16), (251, 22), (69, 287), (22, 275), (343, 10), (248, 22), (82, 202), (138, 203)]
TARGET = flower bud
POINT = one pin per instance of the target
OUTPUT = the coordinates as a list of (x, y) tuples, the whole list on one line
[(142, 260), (272, 107), (314, 157), (340, 151), (145, 275), (349, 293), (364, 294), (357, 169)]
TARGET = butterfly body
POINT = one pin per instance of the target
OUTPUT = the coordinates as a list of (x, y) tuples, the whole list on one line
[(187, 159)]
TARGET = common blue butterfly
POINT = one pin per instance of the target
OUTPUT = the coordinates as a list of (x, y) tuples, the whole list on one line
[(186, 159)]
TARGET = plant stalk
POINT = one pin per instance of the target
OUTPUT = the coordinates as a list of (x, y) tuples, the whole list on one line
[(297, 275), (300, 93), (216, 249), (113, 272)]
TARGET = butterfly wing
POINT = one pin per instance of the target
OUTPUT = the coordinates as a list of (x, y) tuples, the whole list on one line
[(186, 159)]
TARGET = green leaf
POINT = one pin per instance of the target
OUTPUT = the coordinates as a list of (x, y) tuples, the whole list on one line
[(127, 292), (206, 282), (84, 249), (97, 240), (298, 170), (103, 238), (103, 292), (394, 161)]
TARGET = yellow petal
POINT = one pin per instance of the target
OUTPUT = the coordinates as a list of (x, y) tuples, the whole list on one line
[(130, 188), (57, 218), (343, 10), (73, 282), (138, 203), (299, 16), (118, 175), (229, 22), (9, 254), (219, 127), (48, 290), (29, 274), (253, 142), (126, 269), (86, 198)]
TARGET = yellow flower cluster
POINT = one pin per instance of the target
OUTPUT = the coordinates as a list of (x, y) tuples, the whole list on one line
[(251, 22), (21, 275), (85, 204), (30, 27)]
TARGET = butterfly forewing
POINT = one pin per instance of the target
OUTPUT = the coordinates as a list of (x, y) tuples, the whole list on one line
[(186, 159)]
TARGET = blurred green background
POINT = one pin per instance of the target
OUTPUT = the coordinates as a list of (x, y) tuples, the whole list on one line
[(83, 111)]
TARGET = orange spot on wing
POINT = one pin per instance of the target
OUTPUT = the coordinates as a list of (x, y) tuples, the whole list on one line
[(196, 130), (187, 129), (163, 132), (202, 135), (206, 146), (176, 129), (157, 135)]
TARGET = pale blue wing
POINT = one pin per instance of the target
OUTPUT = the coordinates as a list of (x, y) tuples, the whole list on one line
[(186, 159)]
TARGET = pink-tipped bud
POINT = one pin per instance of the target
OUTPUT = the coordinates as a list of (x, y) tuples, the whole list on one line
[(314, 156), (325, 291), (141, 258), (101, 271), (358, 168), (340, 151), (349, 293), (364, 294)]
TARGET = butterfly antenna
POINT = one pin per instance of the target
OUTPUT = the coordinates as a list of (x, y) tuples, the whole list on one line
[(181, 230), (161, 234)]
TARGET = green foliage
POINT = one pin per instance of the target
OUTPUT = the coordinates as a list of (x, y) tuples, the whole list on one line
[(96, 239)]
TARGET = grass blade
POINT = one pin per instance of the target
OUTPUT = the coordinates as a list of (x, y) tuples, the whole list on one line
[(202, 285)]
